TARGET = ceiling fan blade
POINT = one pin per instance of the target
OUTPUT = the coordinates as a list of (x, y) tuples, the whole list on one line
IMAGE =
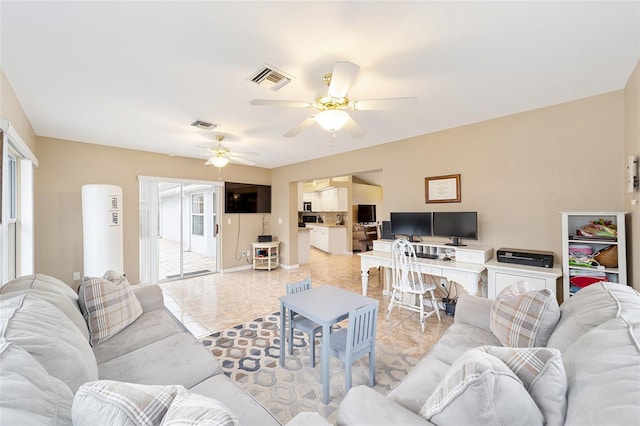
[(241, 160), (388, 103), (300, 127), (277, 103), (246, 154), (354, 128), (341, 78)]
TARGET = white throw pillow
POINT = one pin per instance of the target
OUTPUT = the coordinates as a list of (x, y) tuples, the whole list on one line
[(480, 389), (50, 336), (194, 409), (543, 376), (108, 307), (524, 318), (118, 403), (28, 395)]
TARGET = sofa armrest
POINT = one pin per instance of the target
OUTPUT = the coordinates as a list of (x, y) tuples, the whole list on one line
[(150, 297), (474, 311), (364, 406)]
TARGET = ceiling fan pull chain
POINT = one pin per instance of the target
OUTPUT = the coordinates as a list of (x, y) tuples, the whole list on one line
[(333, 138)]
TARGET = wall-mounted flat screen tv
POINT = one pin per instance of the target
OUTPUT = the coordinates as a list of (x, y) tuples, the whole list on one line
[(247, 198), (366, 213)]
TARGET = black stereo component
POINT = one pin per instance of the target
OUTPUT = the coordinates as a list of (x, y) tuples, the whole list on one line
[(265, 238), (543, 259)]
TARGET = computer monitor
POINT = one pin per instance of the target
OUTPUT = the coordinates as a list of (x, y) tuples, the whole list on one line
[(411, 224), (456, 225)]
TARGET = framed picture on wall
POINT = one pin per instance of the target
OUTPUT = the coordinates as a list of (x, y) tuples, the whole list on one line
[(442, 189)]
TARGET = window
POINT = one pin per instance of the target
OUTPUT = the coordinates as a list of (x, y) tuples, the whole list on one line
[(197, 214), (13, 188)]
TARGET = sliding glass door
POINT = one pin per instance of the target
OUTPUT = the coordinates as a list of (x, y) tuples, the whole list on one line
[(178, 229)]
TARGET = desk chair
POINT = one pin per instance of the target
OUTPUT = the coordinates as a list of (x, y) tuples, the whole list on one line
[(299, 322), (407, 280), (357, 340)]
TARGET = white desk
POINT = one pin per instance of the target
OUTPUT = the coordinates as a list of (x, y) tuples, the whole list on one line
[(464, 273), (326, 305)]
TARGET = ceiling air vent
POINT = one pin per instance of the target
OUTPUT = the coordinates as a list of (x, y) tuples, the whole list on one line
[(269, 77), (204, 125)]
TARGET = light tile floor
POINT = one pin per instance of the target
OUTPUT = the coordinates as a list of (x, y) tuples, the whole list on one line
[(169, 260), (215, 302)]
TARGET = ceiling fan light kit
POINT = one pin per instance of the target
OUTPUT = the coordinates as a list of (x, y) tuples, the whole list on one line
[(332, 120), (332, 115), (218, 161)]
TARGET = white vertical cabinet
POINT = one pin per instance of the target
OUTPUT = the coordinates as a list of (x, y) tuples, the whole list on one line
[(575, 246)]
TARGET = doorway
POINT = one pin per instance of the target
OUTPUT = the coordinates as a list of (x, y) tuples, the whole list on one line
[(179, 229)]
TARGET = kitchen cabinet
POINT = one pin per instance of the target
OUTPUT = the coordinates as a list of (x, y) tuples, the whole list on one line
[(335, 200), (330, 239), (329, 200)]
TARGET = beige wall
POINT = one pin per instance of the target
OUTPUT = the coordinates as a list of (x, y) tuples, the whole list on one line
[(66, 166), (632, 147), (519, 172), (11, 110)]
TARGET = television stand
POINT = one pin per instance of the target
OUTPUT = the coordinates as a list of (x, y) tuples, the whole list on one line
[(455, 241)]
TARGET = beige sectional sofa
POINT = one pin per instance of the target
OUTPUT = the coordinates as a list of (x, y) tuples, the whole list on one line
[(594, 381), (45, 355)]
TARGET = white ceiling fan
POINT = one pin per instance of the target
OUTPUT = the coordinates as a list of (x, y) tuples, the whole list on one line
[(332, 109), (220, 155)]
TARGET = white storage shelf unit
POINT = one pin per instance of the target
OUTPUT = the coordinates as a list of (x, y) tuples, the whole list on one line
[(571, 222)]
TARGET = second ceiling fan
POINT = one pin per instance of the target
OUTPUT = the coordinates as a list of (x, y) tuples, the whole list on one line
[(332, 109)]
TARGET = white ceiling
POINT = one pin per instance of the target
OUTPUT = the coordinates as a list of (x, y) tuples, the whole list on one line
[(135, 74)]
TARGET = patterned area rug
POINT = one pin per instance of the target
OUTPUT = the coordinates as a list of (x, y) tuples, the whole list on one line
[(249, 355)]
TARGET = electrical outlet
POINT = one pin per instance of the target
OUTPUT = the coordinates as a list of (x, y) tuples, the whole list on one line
[(245, 253), (76, 276)]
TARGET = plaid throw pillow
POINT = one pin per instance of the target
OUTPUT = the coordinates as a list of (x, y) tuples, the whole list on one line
[(524, 318), (107, 306), (193, 409), (479, 389), (543, 376), (110, 403)]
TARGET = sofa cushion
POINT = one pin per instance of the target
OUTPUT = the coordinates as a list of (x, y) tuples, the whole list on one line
[(240, 402), (542, 374), (416, 387), (120, 403), (524, 318), (603, 371), (178, 359), (50, 336), (193, 409), (28, 394), (53, 291), (591, 307), (481, 389), (147, 328), (108, 307)]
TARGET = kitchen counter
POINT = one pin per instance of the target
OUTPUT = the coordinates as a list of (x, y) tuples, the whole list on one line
[(330, 238)]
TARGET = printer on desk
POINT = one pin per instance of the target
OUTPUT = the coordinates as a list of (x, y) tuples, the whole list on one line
[(543, 259)]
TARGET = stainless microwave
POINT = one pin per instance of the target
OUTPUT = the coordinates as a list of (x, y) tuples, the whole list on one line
[(306, 206)]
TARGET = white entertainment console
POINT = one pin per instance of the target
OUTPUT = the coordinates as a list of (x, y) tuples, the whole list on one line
[(466, 266)]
